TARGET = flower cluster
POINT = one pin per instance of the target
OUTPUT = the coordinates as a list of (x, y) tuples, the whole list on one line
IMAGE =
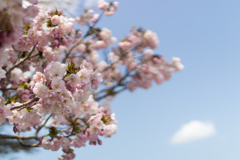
[(54, 78), (12, 18)]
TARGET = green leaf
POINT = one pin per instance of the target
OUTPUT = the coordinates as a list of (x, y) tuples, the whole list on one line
[(29, 109), (53, 132)]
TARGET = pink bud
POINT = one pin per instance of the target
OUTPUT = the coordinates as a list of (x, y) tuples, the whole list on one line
[(55, 140), (67, 132), (60, 35), (90, 11), (55, 42), (90, 142), (101, 133), (99, 142), (64, 41), (40, 141)]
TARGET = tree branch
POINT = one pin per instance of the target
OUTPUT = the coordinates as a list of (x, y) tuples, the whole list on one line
[(22, 106), (3, 136), (6, 89)]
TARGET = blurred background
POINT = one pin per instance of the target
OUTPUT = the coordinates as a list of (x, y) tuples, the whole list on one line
[(193, 116)]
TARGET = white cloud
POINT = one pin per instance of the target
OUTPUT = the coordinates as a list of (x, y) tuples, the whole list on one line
[(90, 3), (192, 131), (70, 7), (63, 5)]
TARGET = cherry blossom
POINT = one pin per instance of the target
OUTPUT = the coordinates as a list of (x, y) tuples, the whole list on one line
[(54, 78)]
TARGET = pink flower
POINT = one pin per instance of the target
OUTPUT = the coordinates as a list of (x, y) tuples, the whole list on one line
[(151, 39), (2, 101), (177, 63), (32, 11), (52, 97), (94, 18), (81, 48), (109, 130), (40, 90), (2, 73), (64, 142), (76, 143), (55, 146), (34, 118), (15, 117), (57, 84), (55, 20), (94, 130), (16, 75), (57, 108), (2, 115), (131, 86), (84, 76), (73, 80), (56, 69), (102, 5), (86, 65), (46, 144), (39, 77)]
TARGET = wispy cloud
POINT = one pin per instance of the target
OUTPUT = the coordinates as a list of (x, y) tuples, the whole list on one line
[(70, 7), (90, 3), (194, 130)]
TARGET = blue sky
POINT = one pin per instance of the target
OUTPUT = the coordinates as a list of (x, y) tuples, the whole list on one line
[(205, 35)]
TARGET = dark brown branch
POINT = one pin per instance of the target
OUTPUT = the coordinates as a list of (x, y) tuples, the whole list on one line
[(14, 48), (23, 106), (6, 89), (2, 136)]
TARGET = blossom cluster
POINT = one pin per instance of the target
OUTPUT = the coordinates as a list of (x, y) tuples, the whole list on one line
[(54, 80), (12, 18)]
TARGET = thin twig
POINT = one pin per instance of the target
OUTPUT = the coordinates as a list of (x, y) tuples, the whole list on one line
[(115, 86), (34, 55), (21, 61), (98, 18), (87, 34), (39, 128), (110, 93)]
